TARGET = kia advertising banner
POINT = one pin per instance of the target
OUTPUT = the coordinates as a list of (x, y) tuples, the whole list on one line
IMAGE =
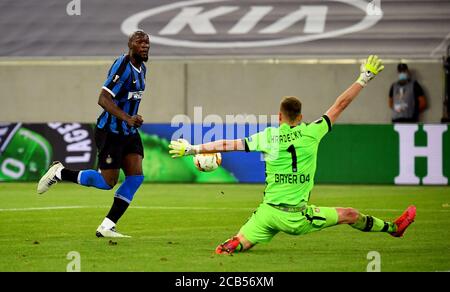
[(190, 28), (408, 154)]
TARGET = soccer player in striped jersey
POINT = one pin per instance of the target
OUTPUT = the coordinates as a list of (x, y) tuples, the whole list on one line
[(290, 152), (116, 135)]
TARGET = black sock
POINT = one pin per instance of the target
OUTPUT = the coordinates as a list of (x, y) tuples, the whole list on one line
[(69, 175), (118, 208)]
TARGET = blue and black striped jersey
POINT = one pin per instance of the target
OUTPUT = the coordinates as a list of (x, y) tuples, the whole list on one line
[(126, 84)]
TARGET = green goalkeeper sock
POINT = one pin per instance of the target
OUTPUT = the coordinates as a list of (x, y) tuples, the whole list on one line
[(373, 224)]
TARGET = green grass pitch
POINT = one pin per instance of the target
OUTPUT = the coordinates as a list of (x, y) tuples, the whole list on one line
[(176, 227)]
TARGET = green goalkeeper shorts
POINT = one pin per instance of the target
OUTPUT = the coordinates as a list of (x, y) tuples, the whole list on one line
[(267, 221)]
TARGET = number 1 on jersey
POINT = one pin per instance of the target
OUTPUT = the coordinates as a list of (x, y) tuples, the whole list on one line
[(291, 149)]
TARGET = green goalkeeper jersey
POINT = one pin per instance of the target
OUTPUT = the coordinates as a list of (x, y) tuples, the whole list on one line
[(290, 154)]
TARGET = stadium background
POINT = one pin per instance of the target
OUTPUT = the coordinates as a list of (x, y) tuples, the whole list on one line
[(53, 65), (54, 61)]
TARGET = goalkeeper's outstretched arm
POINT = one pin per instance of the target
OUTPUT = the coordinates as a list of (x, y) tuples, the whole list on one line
[(182, 147), (369, 69), (222, 146)]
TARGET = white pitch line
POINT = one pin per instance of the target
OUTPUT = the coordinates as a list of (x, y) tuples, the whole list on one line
[(190, 208), (43, 208), (132, 207), (180, 208)]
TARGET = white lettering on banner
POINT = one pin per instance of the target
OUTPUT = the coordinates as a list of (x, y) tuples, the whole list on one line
[(314, 20), (200, 20), (249, 20), (374, 7), (200, 23), (409, 151), (13, 168), (77, 141)]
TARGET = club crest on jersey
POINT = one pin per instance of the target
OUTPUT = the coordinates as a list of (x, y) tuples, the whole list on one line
[(135, 95)]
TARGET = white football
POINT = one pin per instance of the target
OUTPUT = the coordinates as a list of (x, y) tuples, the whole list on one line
[(207, 162)]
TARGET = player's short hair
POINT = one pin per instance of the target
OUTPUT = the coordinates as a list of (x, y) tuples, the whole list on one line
[(291, 107), (136, 34)]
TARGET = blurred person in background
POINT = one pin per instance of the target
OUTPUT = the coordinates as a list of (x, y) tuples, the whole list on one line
[(406, 97)]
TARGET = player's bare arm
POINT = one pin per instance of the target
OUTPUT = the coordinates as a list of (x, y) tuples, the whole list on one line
[(105, 100), (343, 101), (221, 146), (182, 147), (369, 69)]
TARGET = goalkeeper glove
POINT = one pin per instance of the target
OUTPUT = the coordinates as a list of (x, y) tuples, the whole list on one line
[(369, 69), (182, 147)]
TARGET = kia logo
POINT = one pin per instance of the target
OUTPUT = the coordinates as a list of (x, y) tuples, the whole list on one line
[(199, 17)]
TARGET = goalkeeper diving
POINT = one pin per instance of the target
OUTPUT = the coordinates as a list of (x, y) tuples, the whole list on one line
[(290, 154)]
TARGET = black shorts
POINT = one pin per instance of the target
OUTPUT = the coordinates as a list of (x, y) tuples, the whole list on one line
[(112, 148)]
